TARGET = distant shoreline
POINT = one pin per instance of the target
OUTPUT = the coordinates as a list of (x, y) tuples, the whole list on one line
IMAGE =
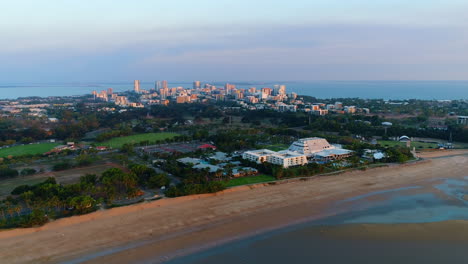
[(158, 230), (382, 89)]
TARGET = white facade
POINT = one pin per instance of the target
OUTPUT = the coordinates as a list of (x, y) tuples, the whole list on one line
[(315, 149), (309, 146), (258, 156), (463, 120), (285, 158)]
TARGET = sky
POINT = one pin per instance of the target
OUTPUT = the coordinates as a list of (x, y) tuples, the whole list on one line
[(237, 40)]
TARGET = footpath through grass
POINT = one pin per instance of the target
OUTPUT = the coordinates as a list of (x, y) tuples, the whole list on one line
[(134, 139), (250, 180), (31, 149)]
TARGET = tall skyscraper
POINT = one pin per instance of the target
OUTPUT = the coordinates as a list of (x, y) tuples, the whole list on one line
[(164, 84), (279, 89), (157, 85), (282, 89), (110, 91), (137, 86), (276, 89), (196, 85)]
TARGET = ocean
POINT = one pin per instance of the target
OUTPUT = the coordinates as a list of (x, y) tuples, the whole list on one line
[(393, 226), (389, 90)]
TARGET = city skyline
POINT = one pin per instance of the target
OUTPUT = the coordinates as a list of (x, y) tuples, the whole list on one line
[(226, 40)]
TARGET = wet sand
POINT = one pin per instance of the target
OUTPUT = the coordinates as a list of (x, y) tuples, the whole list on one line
[(163, 229)]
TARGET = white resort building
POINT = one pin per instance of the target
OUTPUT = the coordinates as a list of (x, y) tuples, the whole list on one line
[(310, 146), (284, 158), (258, 156), (298, 154)]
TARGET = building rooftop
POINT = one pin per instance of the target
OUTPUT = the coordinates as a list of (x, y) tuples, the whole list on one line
[(261, 152), (333, 152)]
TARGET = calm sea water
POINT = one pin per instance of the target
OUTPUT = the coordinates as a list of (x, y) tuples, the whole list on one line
[(440, 90), (303, 244)]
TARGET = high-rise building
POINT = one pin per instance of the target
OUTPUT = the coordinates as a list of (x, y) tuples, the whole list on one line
[(137, 86), (164, 84), (266, 90), (282, 89), (196, 85), (276, 89), (110, 91), (279, 89), (157, 85), (164, 93)]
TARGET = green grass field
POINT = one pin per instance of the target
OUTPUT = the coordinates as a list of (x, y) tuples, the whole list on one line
[(276, 147), (31, 149), (250, 180), (417, 145), (152, 137)]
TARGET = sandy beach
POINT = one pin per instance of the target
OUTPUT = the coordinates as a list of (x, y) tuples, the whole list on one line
[(166, 228)]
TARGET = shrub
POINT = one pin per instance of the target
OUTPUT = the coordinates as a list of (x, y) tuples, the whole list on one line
[(28, 171), (65, 165), (8, 173)]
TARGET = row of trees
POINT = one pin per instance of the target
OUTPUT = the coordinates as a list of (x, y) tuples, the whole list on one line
[(35, 204)]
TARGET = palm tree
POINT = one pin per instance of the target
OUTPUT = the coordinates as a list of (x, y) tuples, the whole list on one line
[(2, 208), (18, 208)]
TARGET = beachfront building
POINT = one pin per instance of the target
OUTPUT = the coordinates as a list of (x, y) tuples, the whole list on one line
[(299, 153), (284, 158), (319, 150), (258, 156), (287, 159), (330, 155), (310, 146)]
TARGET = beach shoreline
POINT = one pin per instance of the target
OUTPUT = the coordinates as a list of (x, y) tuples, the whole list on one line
[(159, 230)]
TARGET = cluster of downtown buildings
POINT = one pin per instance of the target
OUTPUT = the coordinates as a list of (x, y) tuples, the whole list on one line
[(252, 98)]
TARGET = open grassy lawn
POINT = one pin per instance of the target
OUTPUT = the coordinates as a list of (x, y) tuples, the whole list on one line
[(63, 177), (152, 137), (250, 180), (31, 149), (417, 145), (276, 147)]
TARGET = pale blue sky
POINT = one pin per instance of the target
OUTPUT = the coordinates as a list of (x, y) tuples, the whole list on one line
[(81, 40)]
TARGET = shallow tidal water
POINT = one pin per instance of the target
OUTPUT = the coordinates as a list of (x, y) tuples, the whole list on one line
[(434, 201)]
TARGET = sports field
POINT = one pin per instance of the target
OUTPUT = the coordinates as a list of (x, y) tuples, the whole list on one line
[(152, 137), (31, 149)]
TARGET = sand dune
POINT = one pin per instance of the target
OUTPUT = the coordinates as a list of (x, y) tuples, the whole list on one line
[(168, 227)]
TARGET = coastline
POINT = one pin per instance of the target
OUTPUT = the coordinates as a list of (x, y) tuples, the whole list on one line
[(158, 230)]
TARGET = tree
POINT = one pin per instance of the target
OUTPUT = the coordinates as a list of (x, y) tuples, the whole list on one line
[(85, 160), (128, 148), (8, 173), (83, 204), (64, 165), (158, 180), (28, 171)]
